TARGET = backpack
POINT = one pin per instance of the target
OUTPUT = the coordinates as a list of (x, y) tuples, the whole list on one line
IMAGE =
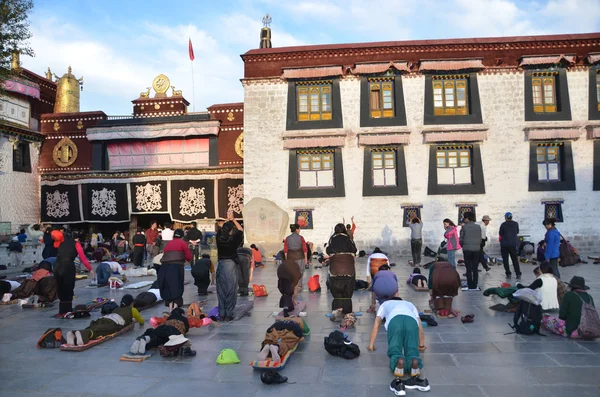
[(108, 308), (527, 319), (51, 339), (337, 344), (568, 254), (314, 284), (589, 322)]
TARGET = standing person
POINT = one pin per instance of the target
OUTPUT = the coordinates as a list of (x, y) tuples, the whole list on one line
[(405, 339), (15, 249), (350, 228), (552, 250), (94, 241), (470, 239), (166, 234), (483, 258), (171, 275), (203, 272), (152, 249), (416, 239), (342, 251), (49, 250), (452, 240), (139, 246), (194, 237), (64, 270), (245, 269), (230, 237), (295, 248), (22, 236), (509, 240), (288, 275), (35, 234), (257, 256)]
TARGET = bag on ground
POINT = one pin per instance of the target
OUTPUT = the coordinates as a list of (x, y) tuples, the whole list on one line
[(259, 290), (527, 319), (589, 322), (568, 254), (51, 339), (337, 344)]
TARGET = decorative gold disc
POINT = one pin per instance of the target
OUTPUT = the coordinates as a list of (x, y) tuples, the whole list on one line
[(65, 152), (161, 84), (239, 145)]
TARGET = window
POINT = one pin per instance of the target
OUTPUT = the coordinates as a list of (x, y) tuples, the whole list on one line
[(450, 95), (553, 210), (463, 208), (315, 170), (548, 163), (384, 167), (381, 97), (409, 213), (453, 165), (21, 160), (543, 85), (314, 101), (598, 89)]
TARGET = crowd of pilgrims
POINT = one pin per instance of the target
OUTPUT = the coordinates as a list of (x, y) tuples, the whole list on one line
[(169, 250)]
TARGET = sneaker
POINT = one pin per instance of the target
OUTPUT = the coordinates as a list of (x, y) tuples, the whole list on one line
[(464, 289), (475, 289), (397, 387), (6, 297), (187, 352), (416, 383)]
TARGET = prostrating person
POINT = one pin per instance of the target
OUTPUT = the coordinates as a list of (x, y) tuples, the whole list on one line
[(288, 276), (444, 283), (341, 250), (295, 248), (171, 274), (204, 273), (230, 237)]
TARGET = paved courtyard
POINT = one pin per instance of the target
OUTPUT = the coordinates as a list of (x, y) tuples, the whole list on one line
[(461, 360)]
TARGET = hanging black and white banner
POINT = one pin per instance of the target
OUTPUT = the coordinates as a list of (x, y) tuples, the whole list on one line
[(60, 204), (191, 200), (231, 197), (149, 197), (105, 202)]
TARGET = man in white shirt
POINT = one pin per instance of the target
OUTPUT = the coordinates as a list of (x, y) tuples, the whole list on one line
[(405, 337), (485, 221), (166, 235)]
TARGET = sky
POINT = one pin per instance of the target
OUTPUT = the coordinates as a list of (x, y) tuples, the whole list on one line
[(120, 46)]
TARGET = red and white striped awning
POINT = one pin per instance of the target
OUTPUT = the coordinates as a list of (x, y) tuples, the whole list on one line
[(450, 65), (546, 60), (302, 143), (309, 73), (554, 134), (462, 136), (386, 139), (368, 68)]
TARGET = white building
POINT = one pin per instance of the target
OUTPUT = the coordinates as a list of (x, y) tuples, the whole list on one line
[(377, 130)]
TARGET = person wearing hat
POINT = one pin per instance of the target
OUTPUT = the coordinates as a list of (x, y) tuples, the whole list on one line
[(569, 315), (120, 317), (171, 275), (509, 241), (64, 270), (483, 258)]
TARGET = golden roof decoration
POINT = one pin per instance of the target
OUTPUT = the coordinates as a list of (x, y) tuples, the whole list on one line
[(67, 93), (161, 85)]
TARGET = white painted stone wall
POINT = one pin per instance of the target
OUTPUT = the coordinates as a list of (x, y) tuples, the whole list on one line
[(19, 191), (505, 156)]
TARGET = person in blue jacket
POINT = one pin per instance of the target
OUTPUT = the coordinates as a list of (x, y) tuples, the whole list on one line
[(552, 251)]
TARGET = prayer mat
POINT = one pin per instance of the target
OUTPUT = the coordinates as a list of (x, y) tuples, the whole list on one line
[(424, 289), (10, 302), (96, 304), (294, 313), (139, 285), (90, 286), (136, 358), (242, 309), (98, 341), (269, 364), (81, 276)]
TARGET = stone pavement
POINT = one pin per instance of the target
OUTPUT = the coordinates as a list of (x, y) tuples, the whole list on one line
[(461, 360)]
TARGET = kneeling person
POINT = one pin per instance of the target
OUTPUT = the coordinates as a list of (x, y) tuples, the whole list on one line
[(121, 317), (173, 329), (385, 284)]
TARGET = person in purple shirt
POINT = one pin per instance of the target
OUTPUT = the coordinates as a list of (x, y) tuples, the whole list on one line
[(385, 284)]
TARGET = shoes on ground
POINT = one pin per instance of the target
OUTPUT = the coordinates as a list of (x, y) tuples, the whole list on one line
[(397, 387), (469, 318), (475, 289), (464, 289), (187, 352), (509, 275), (416, 383)]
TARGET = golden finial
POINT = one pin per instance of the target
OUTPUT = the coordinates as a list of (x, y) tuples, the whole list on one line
[(267, 21), (67, 92), (265, 33), (49, 74), (15, 63)]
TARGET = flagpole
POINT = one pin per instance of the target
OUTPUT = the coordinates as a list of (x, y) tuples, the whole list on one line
[(193, 89)]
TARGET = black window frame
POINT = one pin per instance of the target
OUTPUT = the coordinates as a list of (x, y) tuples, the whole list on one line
[(559, 213), (594, 112), (366, 120), (477, 185), (401, 188), (25, 164), (547, 162), (596, 171), (567, 171), (405, 220), (462, 208), (561, 90), (473, 102), (292, 122), (338, 174)]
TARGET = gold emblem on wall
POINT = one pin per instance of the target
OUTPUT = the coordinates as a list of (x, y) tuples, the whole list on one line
[(230, 116), (157, 106), (64, 153), (239, 145), (161, 84), (56, 126), (79, 125)]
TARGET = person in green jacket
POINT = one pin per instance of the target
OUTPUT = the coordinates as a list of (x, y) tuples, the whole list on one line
[(570, 310)]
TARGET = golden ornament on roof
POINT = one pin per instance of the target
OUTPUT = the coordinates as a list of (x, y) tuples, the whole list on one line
[(65, 153), (161, 84), (239, 145), (67, 93)]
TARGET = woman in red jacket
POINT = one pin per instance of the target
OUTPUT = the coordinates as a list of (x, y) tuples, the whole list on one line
[(171, 273)]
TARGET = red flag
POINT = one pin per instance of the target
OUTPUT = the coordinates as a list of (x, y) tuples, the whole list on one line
[(191, 50)]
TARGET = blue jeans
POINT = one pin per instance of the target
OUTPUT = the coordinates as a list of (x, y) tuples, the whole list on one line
[(452, 257), (103, 272), (554, 265)]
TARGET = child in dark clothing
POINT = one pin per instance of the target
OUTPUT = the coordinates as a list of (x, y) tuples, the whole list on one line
[(541, 249), (417, 279)]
